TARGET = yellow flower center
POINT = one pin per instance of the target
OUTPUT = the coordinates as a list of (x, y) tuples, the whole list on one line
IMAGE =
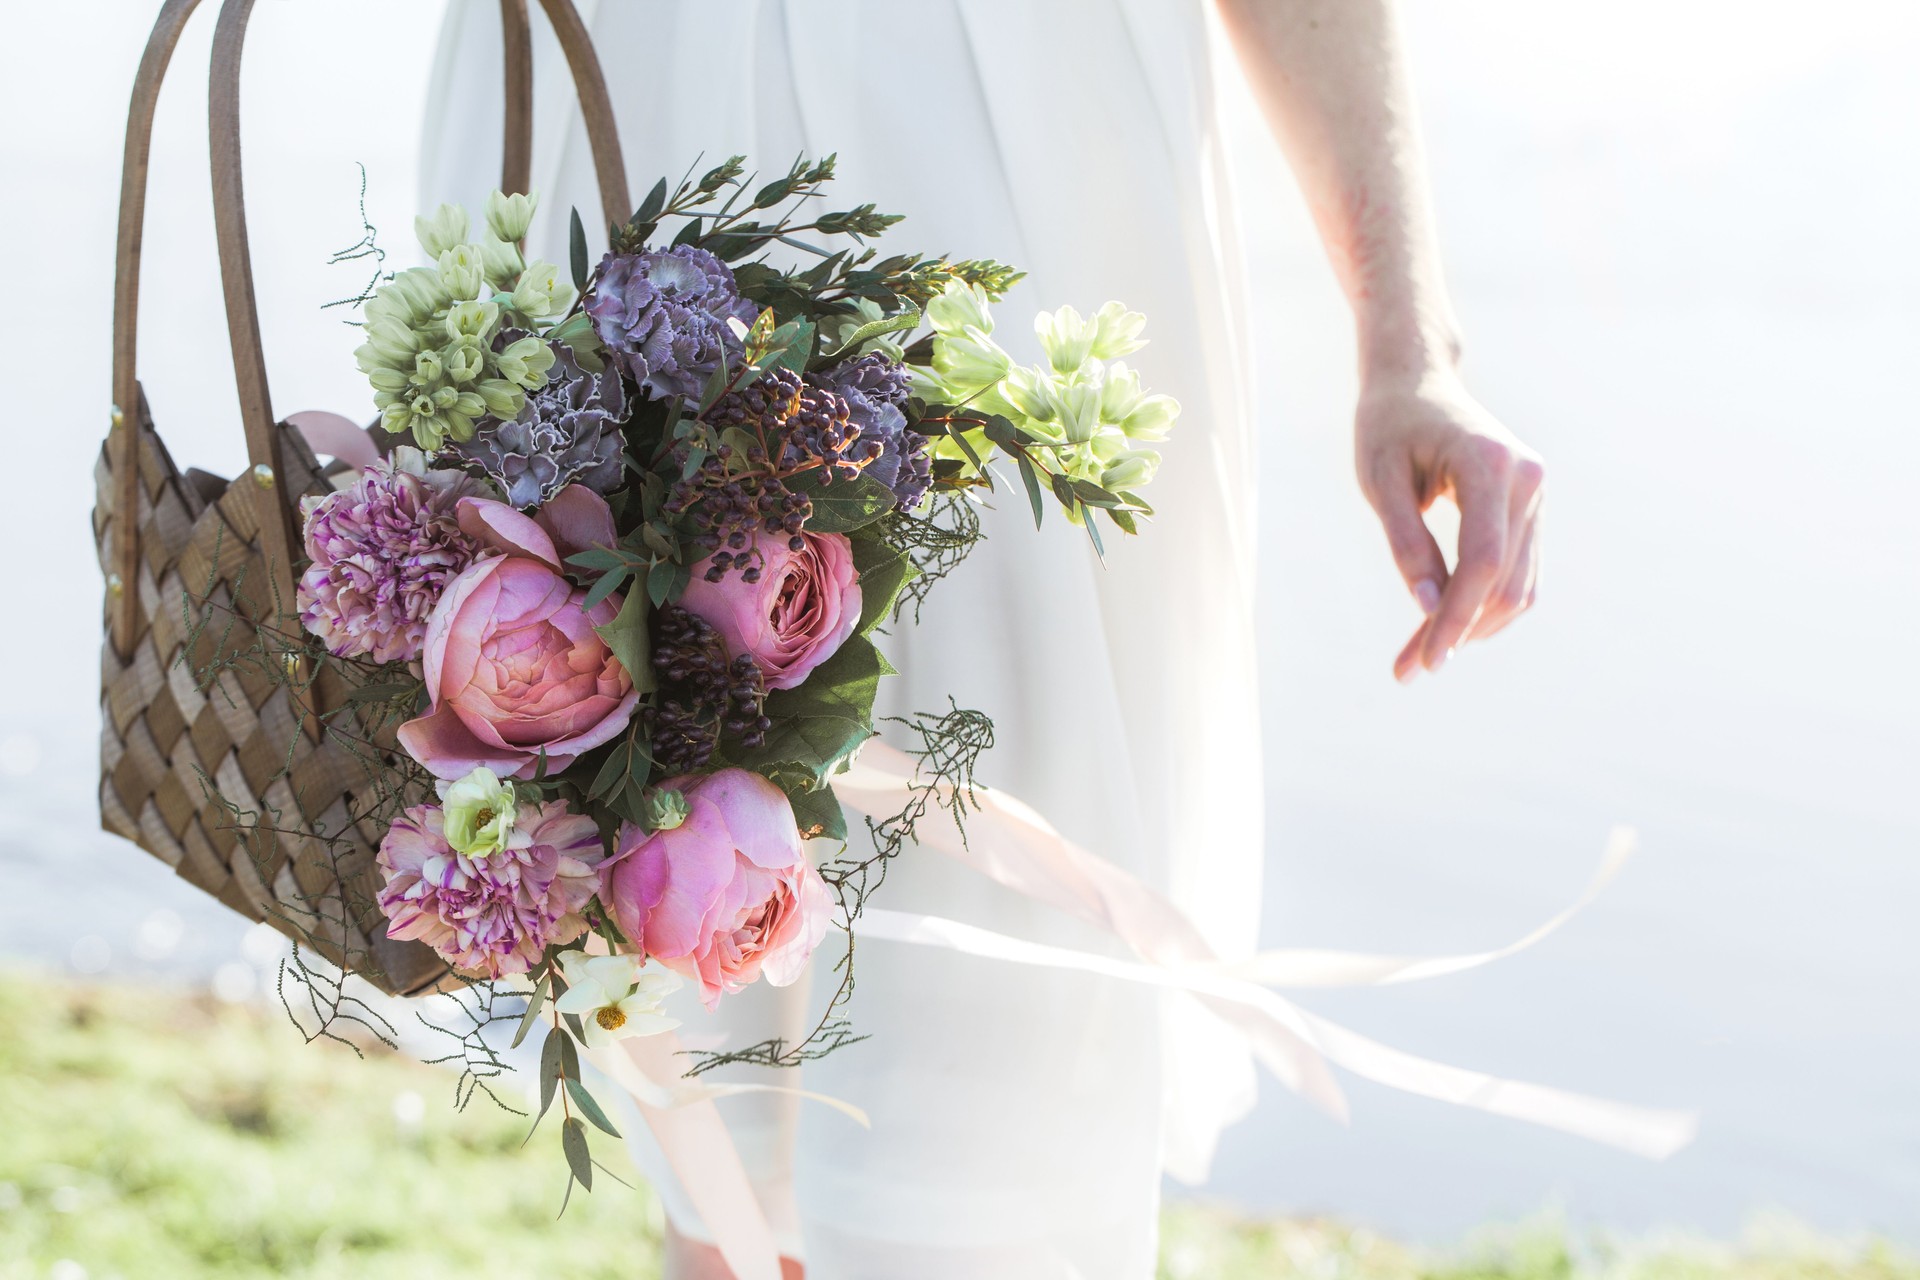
[(610, 1018)]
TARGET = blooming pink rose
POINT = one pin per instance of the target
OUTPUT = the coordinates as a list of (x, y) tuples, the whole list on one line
[(497, 914), (728, 895), (801, 609), (513, 664)]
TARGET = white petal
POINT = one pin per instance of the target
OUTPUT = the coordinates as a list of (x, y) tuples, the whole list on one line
[(582, 999), (613, 974)]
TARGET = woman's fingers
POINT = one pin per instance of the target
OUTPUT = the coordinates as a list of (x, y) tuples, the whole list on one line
[(1482, 481), (1516, 591), (1394, 494), (1511, 598)]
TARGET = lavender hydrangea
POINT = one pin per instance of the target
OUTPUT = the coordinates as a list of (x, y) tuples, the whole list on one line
[(496, 914), (568, 432), (876, 389), (383, 549), (663, 314)]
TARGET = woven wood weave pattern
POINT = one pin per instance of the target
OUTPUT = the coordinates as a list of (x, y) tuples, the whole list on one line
[(220, 781)]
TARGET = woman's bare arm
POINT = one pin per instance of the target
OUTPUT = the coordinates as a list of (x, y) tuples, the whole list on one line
[(1331, 76)]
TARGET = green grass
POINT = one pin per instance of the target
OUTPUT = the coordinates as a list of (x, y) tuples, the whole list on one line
[(154, 1136)]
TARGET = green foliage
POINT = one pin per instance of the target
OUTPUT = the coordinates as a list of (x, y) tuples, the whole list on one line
[(152, 1135), (630, 641), (844, 504)]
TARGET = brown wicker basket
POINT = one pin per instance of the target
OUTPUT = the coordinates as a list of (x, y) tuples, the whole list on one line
[(224, 769)]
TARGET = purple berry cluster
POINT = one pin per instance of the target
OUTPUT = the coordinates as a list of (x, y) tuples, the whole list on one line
[(704, 693)]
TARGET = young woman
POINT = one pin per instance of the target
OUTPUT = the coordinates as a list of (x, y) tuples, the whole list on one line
[(1022, 1119)]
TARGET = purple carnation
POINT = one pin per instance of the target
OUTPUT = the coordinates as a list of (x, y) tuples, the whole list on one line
[(875, 389), (663, 315), (496, 914), (568, 433), (382, 551)]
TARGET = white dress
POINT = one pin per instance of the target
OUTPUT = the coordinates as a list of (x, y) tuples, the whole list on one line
[(1021, 1118)]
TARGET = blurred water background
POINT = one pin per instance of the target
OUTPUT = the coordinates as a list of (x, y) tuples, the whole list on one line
[(1681, 236)]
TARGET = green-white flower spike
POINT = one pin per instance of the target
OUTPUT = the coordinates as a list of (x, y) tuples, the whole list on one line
[(542, 291), (461, 270), (1151, 419), (502, 262), (959, 307), (509, 216), (1116, 332), (472, 320), (439, 231), (503, 400), (465, 359), (1066, 337), (1131, 470), (526, 362)]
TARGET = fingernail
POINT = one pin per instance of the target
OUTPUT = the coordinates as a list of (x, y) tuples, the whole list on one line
[(1406, 677), (1441, 661), (1427, 593)]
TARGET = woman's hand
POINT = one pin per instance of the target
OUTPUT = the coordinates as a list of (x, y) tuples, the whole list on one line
[(1420, 438)]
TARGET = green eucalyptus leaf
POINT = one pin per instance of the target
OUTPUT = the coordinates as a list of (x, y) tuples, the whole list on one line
[(819, 815), (549, 1068), (884, 571), (666, 580), (871, 330), (535, 1003), (577, 250), (590, 1108), (656, 200), (844, 503), (573, 1140), (1031, 479), (608, 583), (627, 636), (795, 340)]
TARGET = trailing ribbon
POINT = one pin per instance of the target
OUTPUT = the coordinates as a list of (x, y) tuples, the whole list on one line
[(1013, 845)]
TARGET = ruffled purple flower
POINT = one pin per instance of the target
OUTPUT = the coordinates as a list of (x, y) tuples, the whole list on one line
[(494, 915), (568, 433), (382, 551), (876, 389), (663, 315)]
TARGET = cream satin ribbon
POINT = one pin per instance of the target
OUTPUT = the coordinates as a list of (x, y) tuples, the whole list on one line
[(1010, 843)]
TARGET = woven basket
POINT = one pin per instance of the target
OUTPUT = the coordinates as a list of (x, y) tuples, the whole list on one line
[(237, 775)]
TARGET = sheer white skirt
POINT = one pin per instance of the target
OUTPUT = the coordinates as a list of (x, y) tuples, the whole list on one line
[(1021, 1118)]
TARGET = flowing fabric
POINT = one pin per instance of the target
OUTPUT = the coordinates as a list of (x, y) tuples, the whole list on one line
[(1073, 138)]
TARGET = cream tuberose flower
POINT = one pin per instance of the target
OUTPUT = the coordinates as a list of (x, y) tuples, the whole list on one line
[(615, 996)]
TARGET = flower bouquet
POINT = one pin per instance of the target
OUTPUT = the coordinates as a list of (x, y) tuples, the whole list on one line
[(616, 581)]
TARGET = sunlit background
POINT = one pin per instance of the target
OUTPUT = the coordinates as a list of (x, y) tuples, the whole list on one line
[(1681, 236)]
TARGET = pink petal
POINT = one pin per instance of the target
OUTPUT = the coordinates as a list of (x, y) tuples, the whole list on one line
[(504, 529), (448, 749), (578, 519)]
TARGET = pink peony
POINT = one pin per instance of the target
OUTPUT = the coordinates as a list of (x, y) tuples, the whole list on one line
[(513, 665), (383, 550), (494, 915), (800, 610), (728, 895)]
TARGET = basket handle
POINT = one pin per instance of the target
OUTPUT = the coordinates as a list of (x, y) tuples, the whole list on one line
[(274, 505)]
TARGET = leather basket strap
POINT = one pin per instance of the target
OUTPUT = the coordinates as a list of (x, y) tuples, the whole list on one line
[(276, 509)]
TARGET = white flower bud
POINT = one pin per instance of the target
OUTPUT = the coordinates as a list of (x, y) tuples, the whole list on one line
[(439, 231), (508, 216)]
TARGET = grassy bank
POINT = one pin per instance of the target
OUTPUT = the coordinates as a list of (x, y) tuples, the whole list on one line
[(154, 1136)]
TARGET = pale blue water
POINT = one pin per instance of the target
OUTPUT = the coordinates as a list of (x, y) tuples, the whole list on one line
[(1681, 240)]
